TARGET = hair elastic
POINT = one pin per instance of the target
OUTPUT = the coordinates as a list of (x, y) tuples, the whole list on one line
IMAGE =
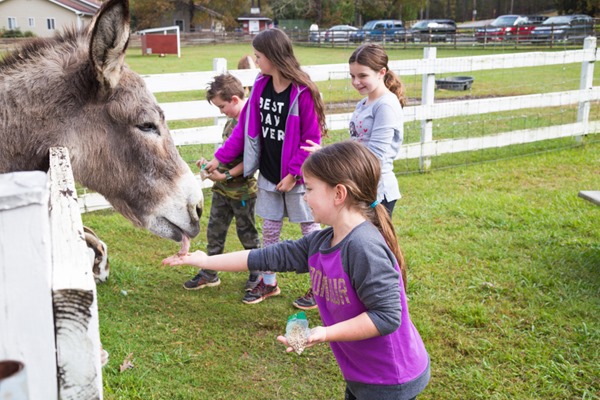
[(373, 204)]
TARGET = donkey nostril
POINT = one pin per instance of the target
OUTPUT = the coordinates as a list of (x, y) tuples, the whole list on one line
[(195, 212)]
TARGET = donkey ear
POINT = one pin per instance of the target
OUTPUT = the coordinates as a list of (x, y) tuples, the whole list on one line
[(109, 40)]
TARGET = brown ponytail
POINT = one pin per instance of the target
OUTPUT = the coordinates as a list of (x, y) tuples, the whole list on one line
[(352, 165)]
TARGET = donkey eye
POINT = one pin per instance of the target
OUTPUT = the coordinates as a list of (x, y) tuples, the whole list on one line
[(148, 127)]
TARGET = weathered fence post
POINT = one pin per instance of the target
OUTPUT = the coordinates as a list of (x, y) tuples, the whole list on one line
[(586, 82), (26, 320), (427, 98), (73, 289), (219, 65)]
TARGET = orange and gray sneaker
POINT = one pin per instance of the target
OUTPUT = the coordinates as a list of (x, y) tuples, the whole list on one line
[(261, 292), (306, 302), (202, 280)]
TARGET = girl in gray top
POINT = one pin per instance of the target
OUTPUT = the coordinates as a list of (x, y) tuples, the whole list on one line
[(378, 120)]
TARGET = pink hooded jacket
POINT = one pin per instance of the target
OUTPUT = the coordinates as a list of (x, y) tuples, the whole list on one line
[(302, 124)]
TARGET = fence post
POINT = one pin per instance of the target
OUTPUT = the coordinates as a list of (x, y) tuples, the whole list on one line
[(26, 320), (220, 67), (586, 82), (73, 289), (427, 97)]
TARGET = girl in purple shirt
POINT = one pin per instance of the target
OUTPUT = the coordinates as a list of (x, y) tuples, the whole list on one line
[(357, 273)]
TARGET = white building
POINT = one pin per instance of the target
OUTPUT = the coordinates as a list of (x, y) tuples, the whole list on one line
[(45, 17)]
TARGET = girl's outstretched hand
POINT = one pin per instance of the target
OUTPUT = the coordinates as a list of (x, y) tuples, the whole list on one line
[(318, 334), (197, 258), (312, 148)]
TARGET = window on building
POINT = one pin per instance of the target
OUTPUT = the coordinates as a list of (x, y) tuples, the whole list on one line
[(31, 22), (12, 23), (50, 23), (179, 23)]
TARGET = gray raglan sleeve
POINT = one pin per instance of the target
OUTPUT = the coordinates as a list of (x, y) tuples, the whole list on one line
[(370, 266), (286, 256)]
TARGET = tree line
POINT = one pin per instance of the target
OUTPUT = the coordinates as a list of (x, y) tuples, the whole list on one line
[(148, 13)]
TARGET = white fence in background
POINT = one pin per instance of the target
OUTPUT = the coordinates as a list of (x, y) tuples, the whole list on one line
[(48, 309), (426, 112)]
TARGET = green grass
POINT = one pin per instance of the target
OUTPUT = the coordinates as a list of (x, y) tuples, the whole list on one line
[(504, 284)]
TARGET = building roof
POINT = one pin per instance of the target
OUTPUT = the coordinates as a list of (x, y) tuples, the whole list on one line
[(252, 17), (86, 7)]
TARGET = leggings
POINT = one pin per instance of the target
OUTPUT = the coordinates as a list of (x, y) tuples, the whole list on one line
[(271, 231)]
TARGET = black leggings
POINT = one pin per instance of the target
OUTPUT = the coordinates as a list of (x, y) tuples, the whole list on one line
[(389, 205)]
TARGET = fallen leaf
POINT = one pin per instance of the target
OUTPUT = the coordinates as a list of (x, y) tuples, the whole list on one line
[(127, 363)]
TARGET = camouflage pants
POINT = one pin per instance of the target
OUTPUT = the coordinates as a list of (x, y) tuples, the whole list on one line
[(222, 212)]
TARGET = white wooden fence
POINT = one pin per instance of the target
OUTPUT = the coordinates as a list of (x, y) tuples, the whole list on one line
[(48, 308), (427, 112)]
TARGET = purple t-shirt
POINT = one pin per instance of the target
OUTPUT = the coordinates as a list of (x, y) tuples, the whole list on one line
[(359, 274)]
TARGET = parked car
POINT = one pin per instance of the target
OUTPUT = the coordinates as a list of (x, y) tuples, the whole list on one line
[(508, 27), (537, 19), (339, 33), (315, 35), (564, 27), (379, 30), (431, 30)]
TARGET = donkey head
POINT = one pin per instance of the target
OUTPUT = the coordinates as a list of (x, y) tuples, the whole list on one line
[(137, 166), (75, 91)]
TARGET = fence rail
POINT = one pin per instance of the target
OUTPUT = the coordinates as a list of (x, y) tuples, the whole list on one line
[(425, 113)]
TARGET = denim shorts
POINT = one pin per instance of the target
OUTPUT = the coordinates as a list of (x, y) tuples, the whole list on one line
[(275, 205)]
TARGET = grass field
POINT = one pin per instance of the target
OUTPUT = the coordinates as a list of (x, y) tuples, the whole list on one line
[(504, 285)]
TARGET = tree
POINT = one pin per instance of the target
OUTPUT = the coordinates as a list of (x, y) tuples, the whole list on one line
[(289, 9), (589, 7), (147, 13)]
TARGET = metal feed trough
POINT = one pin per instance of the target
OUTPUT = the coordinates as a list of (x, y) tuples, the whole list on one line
[(454, 83)]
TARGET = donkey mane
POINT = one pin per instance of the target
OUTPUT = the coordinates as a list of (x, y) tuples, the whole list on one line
[(37, 46)]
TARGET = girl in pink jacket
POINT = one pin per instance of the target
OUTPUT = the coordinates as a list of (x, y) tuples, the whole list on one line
[(284, 111)]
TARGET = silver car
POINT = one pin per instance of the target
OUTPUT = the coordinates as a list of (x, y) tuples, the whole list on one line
[(563, 28), (339, 33)]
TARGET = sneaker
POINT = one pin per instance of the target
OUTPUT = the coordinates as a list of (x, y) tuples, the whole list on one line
[(261, 292), (201, 280), (306, 302), (252, 281)]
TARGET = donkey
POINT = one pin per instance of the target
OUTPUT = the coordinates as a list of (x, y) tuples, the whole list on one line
[(247, 62), (74, 90)]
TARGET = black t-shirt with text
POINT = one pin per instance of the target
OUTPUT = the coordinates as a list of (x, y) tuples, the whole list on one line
[(274, 110)]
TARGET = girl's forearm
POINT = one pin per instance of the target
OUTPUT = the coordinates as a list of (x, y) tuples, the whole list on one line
[(233, 262), (358, 328), (236, 261)]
